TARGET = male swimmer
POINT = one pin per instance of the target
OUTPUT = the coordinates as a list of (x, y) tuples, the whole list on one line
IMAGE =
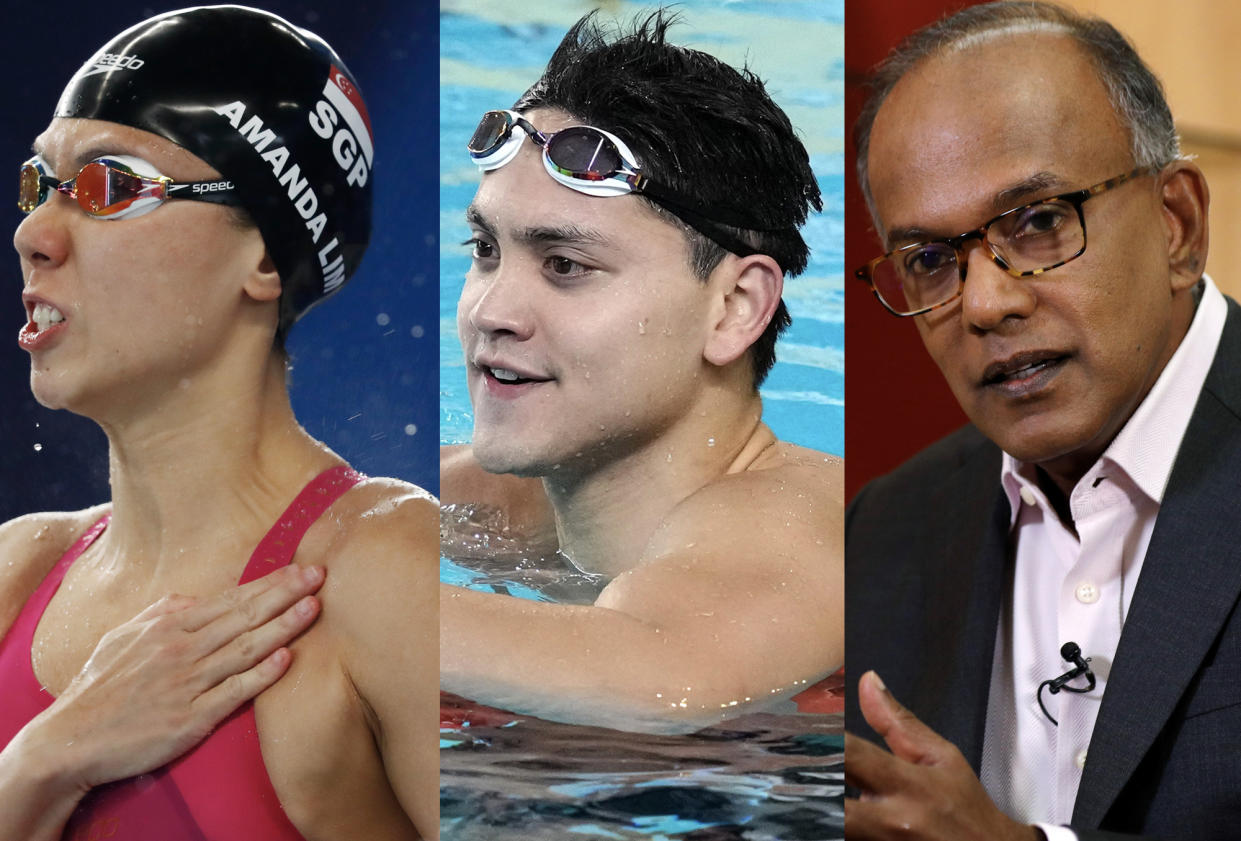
[(147, 696), (639, 209)]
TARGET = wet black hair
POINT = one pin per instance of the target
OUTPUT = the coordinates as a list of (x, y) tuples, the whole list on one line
[(699, 126)]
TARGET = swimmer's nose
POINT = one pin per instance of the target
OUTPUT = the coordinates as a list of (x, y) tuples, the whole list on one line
[(498, 305), (42, 238)]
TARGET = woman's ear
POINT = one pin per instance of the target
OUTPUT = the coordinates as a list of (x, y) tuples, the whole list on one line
[(751, 289), (264, 281)]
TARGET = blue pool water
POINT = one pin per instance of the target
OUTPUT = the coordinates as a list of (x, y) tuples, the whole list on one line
[(776, 775)]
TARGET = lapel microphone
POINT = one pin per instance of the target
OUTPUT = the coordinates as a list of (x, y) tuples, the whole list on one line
[(1070, 652)]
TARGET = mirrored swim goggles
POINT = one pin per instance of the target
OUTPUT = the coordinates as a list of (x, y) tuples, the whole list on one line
[(598, 163), (110, 188)]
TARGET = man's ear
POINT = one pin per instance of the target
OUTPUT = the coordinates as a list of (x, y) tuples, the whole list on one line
[(263, 283), (1185, 201), (751, 288)]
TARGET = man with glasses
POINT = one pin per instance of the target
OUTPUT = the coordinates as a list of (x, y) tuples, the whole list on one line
[(1051, 591), (639, 208)]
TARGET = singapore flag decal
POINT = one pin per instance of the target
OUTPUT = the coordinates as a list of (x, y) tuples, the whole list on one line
[(348, 103)]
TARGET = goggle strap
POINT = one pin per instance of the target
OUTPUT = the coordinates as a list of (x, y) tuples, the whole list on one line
[(709, 228), (675, 201), (225, 196)]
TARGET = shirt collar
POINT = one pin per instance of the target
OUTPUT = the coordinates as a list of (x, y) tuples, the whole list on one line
[(1141, 450)]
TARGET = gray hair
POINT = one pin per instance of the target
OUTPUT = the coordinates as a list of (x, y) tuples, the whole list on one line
[(1134, 91)]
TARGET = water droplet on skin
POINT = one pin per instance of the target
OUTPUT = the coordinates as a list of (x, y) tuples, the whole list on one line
[(669, 459), (642, 327), (38, 448), (710, 442)]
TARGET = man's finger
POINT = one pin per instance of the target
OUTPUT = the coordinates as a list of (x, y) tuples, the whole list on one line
[(871, 769), (906, 736)]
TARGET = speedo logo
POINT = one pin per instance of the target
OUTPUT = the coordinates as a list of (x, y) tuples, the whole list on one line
[(205, 186), (289, 175), (212, 186), (112, 61)]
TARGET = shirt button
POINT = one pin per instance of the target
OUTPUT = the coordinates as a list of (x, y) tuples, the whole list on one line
[(1087, 593), (1080, 760), (1027, 496)]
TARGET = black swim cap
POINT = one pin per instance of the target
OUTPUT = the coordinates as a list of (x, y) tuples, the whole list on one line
[(269, 105)]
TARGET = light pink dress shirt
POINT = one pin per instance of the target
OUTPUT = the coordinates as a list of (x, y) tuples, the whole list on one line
[(1078, 588)]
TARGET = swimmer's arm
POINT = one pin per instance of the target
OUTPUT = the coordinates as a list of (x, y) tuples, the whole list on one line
[(37, 792), (738, 600), (390, 624), (523, 500)]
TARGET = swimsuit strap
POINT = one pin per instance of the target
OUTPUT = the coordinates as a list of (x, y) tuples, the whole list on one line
[(24, 696), (278, 546), (51, 582)]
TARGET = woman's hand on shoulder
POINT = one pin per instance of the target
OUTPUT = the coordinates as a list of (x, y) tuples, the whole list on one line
[(158, 684)]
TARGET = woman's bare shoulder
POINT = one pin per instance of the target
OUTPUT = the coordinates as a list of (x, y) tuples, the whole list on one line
[(30, 546), (381, 528)]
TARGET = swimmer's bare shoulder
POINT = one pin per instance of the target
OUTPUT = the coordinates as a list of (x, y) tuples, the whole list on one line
[(763, 548), (29, 547), (373, 659), (522, 499)]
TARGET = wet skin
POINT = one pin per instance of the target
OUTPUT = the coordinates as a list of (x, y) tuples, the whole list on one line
[(167, 343), (634, 403), (592, 302)]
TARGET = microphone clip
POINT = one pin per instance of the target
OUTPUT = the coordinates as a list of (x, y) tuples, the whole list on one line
[(1070, 652)]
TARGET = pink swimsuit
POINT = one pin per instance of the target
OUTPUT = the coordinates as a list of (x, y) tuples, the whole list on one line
[(220, 790)]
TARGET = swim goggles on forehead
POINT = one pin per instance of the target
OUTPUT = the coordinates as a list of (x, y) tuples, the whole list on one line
[(598, 163), (110, 188)]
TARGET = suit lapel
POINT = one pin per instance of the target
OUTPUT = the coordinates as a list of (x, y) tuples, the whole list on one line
[(964, 614), (1190, 583)]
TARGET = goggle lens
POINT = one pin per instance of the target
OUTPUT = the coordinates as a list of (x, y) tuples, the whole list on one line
[(584, 152), (30, 192), (103, 190), (598, 163), (492, 130), (111, 188)]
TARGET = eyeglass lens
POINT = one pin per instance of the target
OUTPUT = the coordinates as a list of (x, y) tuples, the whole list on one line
[(1028, 239)]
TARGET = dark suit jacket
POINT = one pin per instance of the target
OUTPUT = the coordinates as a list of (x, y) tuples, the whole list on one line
[(927, 564)]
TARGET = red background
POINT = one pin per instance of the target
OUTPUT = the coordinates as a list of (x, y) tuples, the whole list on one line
[(896, 401)]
